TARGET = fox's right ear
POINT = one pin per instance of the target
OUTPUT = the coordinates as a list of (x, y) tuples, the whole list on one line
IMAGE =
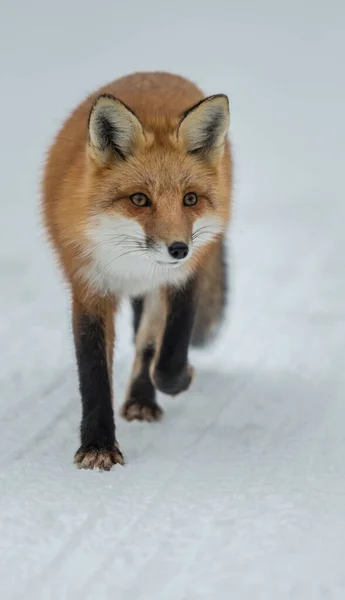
[(114, 130)]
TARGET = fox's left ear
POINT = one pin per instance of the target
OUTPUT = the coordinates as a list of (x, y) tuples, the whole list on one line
[(203, 128)]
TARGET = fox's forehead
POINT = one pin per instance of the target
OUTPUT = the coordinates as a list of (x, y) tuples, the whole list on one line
[(160, 172)]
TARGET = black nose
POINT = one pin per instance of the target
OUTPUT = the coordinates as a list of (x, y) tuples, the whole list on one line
[(178, 250)]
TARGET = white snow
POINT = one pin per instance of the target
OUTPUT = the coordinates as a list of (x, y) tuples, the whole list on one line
[(240, 492)]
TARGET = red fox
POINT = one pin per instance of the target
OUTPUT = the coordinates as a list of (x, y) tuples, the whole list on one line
[(136, 203)]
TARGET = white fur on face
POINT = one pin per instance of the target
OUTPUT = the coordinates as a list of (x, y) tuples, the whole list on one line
[(119, 261), (205, 230)]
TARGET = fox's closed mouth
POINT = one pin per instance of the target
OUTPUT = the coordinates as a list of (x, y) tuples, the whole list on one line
[(161, 262)]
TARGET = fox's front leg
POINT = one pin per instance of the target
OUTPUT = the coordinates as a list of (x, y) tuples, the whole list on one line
[(170, 370), (94, 338)]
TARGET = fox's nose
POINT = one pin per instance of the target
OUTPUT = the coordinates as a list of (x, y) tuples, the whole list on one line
[(178, 250)]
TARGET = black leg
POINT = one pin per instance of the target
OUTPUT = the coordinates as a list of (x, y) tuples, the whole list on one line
[(172, 373), (98, 444), (138, 307)]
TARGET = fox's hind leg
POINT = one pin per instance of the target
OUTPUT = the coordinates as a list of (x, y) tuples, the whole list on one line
[(149, 317)]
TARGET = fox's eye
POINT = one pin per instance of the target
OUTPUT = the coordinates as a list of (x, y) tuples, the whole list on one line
[(140, 200), (190, 199)]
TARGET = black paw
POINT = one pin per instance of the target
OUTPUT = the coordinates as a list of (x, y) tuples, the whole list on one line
[(172, 383), (88, 457)]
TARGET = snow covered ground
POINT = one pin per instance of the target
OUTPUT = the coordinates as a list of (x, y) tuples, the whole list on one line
[(240, 492)]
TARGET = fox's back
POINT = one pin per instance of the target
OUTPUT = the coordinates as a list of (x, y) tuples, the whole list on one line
[(155, 93)]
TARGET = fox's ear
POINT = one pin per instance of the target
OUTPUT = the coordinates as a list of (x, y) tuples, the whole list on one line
[(114, 130), (203, 128)]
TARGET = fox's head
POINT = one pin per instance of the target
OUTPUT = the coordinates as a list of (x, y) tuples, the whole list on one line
[(158, 191)]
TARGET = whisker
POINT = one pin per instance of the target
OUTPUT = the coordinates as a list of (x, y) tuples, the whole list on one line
[(125, 242), (206, 229), (154, 268), (113, 259)]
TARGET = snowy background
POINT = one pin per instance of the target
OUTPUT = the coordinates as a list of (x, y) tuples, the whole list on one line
[(240, 492)]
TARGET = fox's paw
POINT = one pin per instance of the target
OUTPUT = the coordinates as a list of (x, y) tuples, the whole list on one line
[(98, 458), (170, 382), (140, 410)]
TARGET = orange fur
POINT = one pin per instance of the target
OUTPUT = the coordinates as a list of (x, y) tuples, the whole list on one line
[(74, 185), (87, 187)]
